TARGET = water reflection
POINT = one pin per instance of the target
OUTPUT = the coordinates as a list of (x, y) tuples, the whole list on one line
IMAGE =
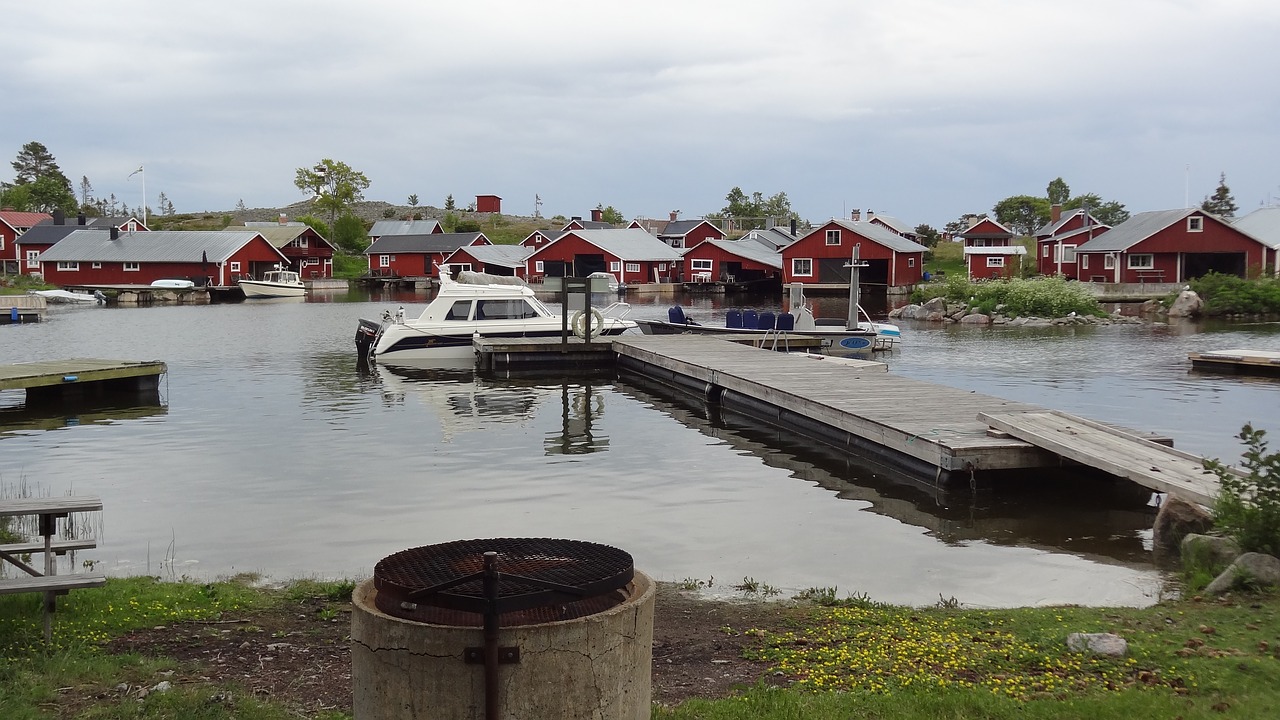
[(580, 407), (17, 417), (1078, 512)]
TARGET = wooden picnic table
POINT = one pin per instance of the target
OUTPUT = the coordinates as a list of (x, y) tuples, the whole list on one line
[(49, 511)]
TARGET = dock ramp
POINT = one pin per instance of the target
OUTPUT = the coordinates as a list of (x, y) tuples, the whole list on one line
[(1150, 464)]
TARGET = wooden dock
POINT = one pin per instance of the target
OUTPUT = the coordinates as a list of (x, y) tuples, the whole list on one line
[(920, 427), (504, 355), (1244, 362), (16, 309), (57, 380)]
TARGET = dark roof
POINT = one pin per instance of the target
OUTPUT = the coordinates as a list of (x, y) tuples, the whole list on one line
[(680, 228), (431, 243), (47, 234)]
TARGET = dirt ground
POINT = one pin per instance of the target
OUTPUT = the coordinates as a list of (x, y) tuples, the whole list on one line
[(301, 656)]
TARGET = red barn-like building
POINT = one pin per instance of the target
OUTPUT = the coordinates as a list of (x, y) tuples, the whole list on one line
[(416, 256), (12, 225), (1057, 241), (820, 257), (488, 204), (732, 261), (492, 259), (989, 251), (1172, 246), (90, 257), (632, 256)]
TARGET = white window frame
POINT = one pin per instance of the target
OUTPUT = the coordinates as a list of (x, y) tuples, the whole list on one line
[(1044, 250), (807, 264), (384, 261), (1084, 262), (1195, 223), (33, 259), (1108, 262), (911, 262), (235, 266), (615, 266), (68, 265), (131, 266), (833, 237), (633, 267), (1132, 261), (995, 261), (537, 266), (701, 265), (1064, 254), (96, 266)]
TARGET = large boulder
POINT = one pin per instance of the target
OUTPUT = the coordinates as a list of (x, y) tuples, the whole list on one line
[(1188, 304), (1177, 519), (1251, 568), (1211, 551), (1106, 644)]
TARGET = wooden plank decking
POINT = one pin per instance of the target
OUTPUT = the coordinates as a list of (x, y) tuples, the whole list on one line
[(952, 430), (1257, 362), (78, 370), (932, 423), (1147, 463)]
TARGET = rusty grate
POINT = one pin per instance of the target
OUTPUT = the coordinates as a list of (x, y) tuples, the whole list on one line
[(538, 580)]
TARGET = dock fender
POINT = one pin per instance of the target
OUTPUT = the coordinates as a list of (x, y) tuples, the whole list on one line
[(713, 393)]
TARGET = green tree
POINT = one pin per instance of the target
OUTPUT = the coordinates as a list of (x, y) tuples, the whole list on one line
[(753, 212), (1221, 203), (413, 200), (467, 226), (86, 191), (1058, 192), (17, 197), (449, 204), (928, 236), (610, 215), (317, 224), (334, 186), (350, 235), (48, 193), (962, 223), (1022, 213), (34, 161), (1110, 213)]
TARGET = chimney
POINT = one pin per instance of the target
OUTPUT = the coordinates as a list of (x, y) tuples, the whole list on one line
[(284, 219), (870, 214), (1055, 212), (576, 217), (793, 227), (80, 219), (674, 214), (597, 215), (115, 233), (856, 215), (59, 217)]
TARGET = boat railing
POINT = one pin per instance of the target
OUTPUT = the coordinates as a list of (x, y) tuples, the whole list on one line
[(617, 310)]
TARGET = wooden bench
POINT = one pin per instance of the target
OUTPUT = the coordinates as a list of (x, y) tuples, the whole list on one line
[(49, 511)]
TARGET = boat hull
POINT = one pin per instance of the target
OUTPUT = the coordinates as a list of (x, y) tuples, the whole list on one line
[(259, 289), (837, 342)]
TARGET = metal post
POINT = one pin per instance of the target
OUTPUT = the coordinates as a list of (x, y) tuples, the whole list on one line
[(491, 635), (855, 290)]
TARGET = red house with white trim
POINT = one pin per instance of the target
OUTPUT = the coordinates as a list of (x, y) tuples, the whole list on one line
[(820, 257), (13, 224), (1057, 240), (732, 261), (91, 257), (989, 251), (681, 234), (630, 255), (1173, 246), (416, 256), (492, 259)]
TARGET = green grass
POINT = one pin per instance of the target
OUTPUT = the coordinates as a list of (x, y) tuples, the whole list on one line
[(1046, 297), (1188, 659), (20, 284)]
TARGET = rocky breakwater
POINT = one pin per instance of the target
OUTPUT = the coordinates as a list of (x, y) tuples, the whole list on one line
[(944, 311)]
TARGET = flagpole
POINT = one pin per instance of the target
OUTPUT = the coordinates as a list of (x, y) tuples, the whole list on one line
[(144, 196)]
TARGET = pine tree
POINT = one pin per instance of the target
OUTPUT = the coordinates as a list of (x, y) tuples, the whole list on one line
[(1221, 203)]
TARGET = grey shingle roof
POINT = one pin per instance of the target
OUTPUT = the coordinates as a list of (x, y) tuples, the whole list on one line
[(93, 245), (1134, 230), (422, 243), (894, 223), (881, 235), (505, 255), (47, 234), (626, 244), (403, 227), (746, 249), (775, 238), (1263, 224)]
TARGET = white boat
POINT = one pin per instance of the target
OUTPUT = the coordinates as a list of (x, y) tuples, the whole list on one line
[(173, 284), (274, 283), (476, 304), (66, 296), (887, 334)]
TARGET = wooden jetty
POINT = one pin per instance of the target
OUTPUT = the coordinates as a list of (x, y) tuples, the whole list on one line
[(917, 426), (511, 354), (1244, 362), (58, 380), (16, 309)]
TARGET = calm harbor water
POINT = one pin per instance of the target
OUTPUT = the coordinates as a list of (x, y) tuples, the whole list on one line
[(273, 453)]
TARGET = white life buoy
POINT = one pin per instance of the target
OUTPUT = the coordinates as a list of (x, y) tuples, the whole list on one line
[(583, 323)]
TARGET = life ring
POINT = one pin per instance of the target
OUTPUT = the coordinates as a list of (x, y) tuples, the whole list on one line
[(583, 324)]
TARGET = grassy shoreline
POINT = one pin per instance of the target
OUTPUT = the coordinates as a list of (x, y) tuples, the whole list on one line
[(1193, 658)]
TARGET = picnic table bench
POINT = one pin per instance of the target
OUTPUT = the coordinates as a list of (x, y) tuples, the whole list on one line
[(49, 511)]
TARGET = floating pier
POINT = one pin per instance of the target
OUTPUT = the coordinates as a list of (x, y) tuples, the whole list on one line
[(16, 309), (923, 428), (1243, 362), (56, 381)]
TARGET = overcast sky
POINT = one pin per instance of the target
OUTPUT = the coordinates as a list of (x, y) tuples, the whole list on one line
[(920, 109)]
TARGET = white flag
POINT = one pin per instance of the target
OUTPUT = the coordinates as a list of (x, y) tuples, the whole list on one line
[(135, 172)]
